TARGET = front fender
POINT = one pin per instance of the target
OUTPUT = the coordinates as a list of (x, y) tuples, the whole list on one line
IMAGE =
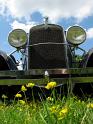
[(88, 59), (6, 62)]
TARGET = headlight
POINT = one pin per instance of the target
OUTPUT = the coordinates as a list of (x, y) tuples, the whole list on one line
[(76, 35), (17, 38)]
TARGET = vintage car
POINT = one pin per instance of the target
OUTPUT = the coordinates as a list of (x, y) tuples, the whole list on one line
[(47, 50)]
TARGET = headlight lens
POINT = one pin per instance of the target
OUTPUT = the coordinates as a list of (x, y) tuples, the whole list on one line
[(76, 35), (17, 38)]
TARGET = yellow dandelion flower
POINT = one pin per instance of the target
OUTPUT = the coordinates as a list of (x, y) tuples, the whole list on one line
[(90, 105), (1, 107), (79, 101), (50, 85), (50, 99), (23, 88), (30, 85), (19, 109), (18, 95), (4, 96), (60, 118), (62, 113), (22, 102), (53, 109)]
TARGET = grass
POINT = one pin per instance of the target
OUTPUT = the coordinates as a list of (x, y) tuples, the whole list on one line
[(52, 110), (64, 111)]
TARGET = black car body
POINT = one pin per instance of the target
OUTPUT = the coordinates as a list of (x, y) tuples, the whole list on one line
[(47, 47)]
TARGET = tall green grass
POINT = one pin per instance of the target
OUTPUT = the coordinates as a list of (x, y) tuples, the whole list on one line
[(52, 110), (60, 111)]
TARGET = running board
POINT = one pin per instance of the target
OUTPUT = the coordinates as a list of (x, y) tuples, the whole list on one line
[(62, 76)]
